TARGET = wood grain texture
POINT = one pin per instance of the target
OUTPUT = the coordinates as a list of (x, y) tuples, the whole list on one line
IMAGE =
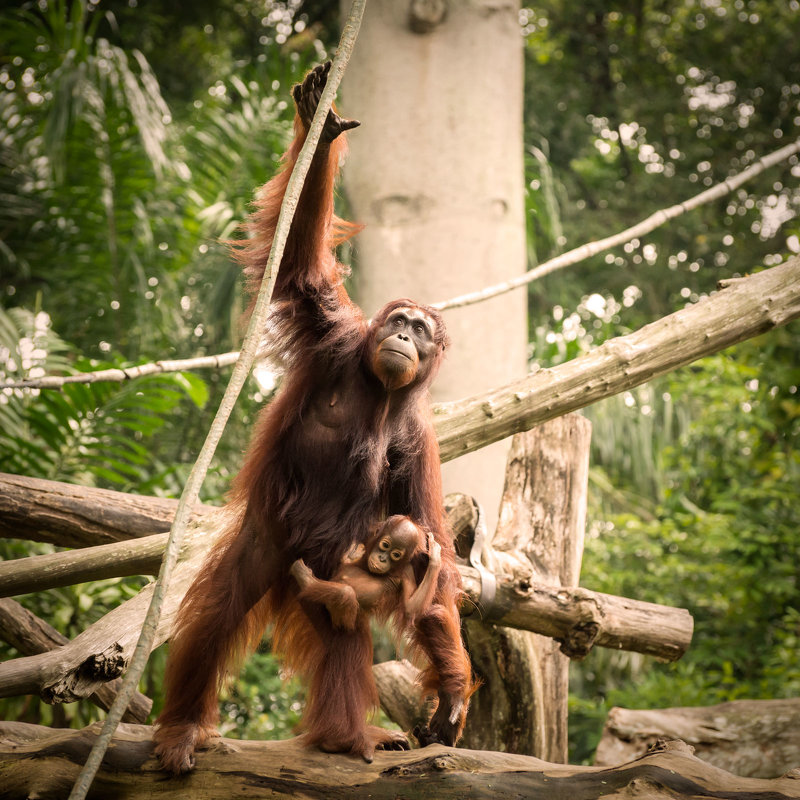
[(42, 762), (753, 738)]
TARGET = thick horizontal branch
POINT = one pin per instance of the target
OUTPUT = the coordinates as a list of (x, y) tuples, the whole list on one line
[(743, 308), (754, 738), (116, 560), (578, 618), (43, 762), (79, 516), (31, 635)]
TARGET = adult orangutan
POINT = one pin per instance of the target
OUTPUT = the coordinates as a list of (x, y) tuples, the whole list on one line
[(347, 442), (376, 580)]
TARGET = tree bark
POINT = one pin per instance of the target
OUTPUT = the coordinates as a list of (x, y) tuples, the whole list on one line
[(31, 635), (42, 763), (752, 738), (398, 689), (115, 560), (522, 706), (101, 653), (79, 516), (743, 308)]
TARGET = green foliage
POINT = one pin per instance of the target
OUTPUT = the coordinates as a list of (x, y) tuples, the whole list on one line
[(722, 541), (113, 197), (83, 433), (642, 105), (263, 702)]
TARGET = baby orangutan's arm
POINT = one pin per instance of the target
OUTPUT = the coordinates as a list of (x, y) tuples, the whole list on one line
[(339, 598), (421, 597)]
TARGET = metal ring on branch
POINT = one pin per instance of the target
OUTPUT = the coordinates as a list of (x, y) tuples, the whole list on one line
[(480, 547)]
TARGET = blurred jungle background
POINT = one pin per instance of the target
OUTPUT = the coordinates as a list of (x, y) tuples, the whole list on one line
[(132, 137)]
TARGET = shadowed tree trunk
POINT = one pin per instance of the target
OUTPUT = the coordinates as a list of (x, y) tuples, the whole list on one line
[(522, 707), (753, 738)]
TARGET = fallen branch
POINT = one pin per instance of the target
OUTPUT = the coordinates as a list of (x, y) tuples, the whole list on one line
[(743, 308), (580, 619), (37, 573), (753, 738), (31, 635), (41, 762)]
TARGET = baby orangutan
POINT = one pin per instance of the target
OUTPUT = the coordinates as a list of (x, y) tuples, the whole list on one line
[(374, 580), (377, 579)]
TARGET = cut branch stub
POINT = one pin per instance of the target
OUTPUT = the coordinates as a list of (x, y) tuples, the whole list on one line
[(567, 614), (30, 636)]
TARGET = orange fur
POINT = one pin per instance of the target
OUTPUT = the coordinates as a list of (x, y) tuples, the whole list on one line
[(335, 452)]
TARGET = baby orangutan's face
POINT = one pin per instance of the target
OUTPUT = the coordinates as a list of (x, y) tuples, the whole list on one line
[(386, 554)]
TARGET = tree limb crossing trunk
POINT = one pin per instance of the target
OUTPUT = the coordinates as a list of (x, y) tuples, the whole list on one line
[(522, 706), (742, 309)]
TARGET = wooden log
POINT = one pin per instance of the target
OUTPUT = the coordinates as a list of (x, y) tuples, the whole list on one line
[(101, 653), (31, 635), (752, 738), (43, 763), (579, 618), (522, 705), (743, 308), (79, 516), (114, 560)]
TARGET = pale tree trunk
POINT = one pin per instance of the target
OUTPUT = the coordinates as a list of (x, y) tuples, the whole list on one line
[(435, 173)]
